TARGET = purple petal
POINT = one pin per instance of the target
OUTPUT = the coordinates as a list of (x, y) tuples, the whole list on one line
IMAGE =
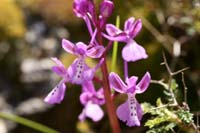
[(112, 30), (133, 52), (139, 111), (85, 97), (82, 115), (144, 83), (93, 111), (95, 52), (131, 82), (121, 37), (60, 69), (129, 23), (80, 48), (123, 112), (57, 94), (117, 83), (68, 46), (72, 69), (88, 75), (88, 86), (100, 96), (137, 26)]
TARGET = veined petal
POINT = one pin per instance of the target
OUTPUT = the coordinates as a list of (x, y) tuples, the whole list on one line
[(68, 46), (117, 83), (95, 52), (93, 111), (133, 52), (112, 30), (121, 37), (129, 23), (144, 83), (57, 94), (137, 26)]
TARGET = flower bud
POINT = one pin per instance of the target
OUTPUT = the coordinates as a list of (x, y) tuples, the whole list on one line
[(106, 8), (82, 7)]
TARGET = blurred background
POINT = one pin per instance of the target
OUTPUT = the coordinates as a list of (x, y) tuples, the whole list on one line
[(31, 33)]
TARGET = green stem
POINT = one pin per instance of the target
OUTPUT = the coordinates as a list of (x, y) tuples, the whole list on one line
[(26, 122), (115, 48)]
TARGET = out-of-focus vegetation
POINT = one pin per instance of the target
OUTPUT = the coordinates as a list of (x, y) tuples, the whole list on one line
[(11, 20), (31, 33)]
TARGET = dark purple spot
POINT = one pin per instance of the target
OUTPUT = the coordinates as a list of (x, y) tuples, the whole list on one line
[(131, 114)]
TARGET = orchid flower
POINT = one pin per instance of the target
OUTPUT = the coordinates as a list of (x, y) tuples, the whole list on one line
[(57, 94), (130, 111), (79, 71), (132, 51), (91, 101)]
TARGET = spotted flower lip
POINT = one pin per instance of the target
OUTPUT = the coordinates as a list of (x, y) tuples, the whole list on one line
[(130, 111), (79, 71), (58, 92), (91, 100)]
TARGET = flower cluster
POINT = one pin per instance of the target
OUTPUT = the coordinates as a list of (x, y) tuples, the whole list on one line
[(80, 73)]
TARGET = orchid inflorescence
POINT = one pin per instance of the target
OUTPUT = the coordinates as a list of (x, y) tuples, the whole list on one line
[(81, 74)]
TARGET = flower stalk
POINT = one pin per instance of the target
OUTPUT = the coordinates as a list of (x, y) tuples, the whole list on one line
[(109, 102)]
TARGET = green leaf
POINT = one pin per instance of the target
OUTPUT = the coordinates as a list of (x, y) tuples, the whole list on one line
[(185, 116), (156, 121), (159, 102), (174, 84)]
